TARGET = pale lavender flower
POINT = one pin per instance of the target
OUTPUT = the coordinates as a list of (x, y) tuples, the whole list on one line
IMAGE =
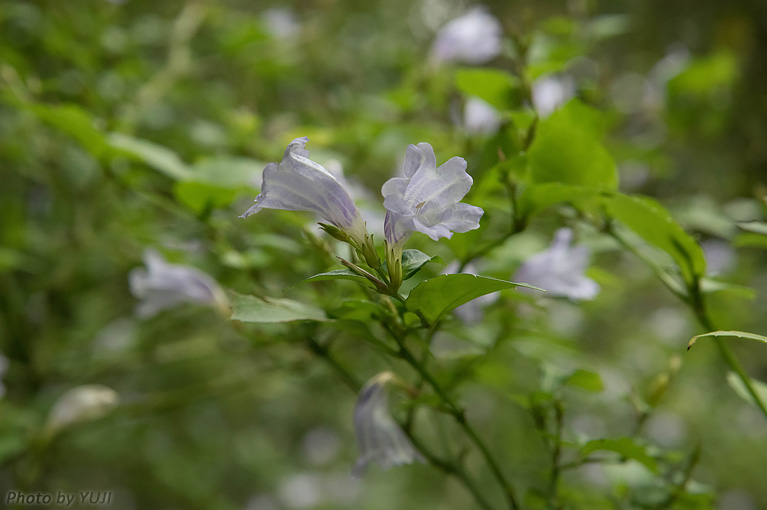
[(551, 92), (474, 38), (281, 23), (162, 285), (480, 117), (299, 184), (380, 438), (559, 269), (472, 311), (81, 403), (428, 198)]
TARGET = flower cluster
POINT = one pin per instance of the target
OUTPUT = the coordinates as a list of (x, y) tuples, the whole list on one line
[(426, 199)]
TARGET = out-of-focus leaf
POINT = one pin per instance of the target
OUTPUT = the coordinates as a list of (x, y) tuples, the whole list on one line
[(585, 379), (268, 310), (358, 310), (336, 274), (435, 297), (710, 285), (539, 197), (736, 383), (567, 150), (154, 155), (706, 74), (735, 334), (648, 219), (626, 447), (199, 196), (74, 121), (606, 26), (497, 87), (755, 227)]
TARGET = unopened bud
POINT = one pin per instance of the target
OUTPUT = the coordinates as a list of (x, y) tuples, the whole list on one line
[(335, 232), (79, 404)]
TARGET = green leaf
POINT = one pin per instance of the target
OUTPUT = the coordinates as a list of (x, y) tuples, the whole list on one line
[(585, 379), (336, 274), (199, 196), (268, 310), (625, 446), (433, 298), (710, 285), (539, 197), (567, 149), (648, 219), (360, 310), (736, 334), (216, 182), (156, 156), (414, 260), (74, 121), (736, 383), (755, 227), (497, 87)]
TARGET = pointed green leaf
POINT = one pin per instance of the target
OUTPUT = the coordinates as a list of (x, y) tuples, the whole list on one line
[(567, 149), (585, 379), (433, 298), (497, 87), (756, 227), (72, 120), (625, 446), (336, 274), (736, 334), (653, 223), (154, 155), (268, 310)]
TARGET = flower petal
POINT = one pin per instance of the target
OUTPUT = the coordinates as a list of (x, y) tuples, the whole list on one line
[(559, 269), (474, 38), (380, 438), (162, 285), (299, 184), (439, 187), (417, 157)]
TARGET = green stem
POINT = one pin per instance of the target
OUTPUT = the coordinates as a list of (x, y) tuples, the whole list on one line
[(694, 299), (449, 468), (556, 451), (698, 305), (460, 417)]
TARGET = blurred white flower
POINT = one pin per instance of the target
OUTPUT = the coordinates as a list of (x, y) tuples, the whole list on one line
[(474, 38), (299, 184), (559, 269), (473, 310), (480, 117), (162, 285), (281, 23), (79, 404), (3, 370), (428, 198), (551, 92), (380, 438)]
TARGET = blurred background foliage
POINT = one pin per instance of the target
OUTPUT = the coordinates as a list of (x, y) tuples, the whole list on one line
[(134, 124)]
